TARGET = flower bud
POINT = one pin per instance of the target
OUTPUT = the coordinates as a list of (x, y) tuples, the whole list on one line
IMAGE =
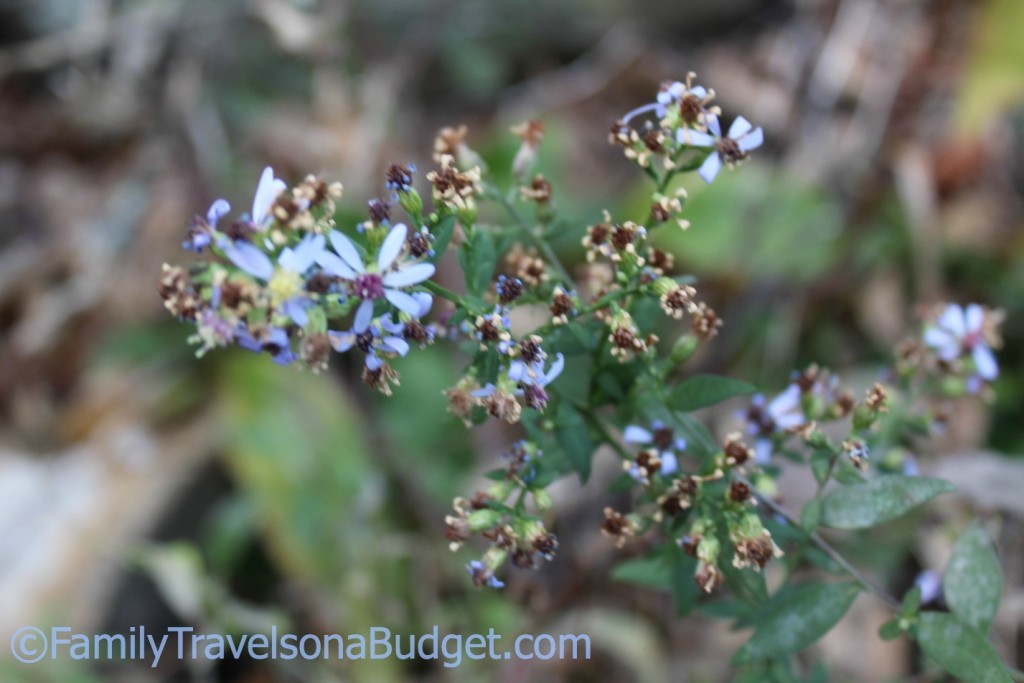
[(481, 520), (542, 499), (411, 202), (684, 348)]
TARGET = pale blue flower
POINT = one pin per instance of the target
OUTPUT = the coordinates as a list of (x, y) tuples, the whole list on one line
[(286, 280), (387, 278), (741, 139), (959, 332), (664, 441), (201, 233), (783, 413)]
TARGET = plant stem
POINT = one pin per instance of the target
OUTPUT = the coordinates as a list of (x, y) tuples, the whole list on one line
[(825, 547)]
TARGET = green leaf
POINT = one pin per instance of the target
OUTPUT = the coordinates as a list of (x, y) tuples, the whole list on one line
[(649, 572), (810, 516), (973, 582), (959, 649), (702, 391), (790, 625), (575, 440), (861, 506), (478, 258), (683, 586), (890, 630)]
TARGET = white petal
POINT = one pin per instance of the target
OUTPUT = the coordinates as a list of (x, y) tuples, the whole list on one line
[(740, 127), (634, 434), (709, 169), (364, 315), (341, 341), (397, 344), (694, 138), (266, 193), (335, 266), (299, 259), (425, 301), (985, 362), (392, 246), (250, 259), (751, 140), (952, 319), (938, 338), (714, 126), (410, 275), (974, 317), (555, 370), (402, 301), (346, 250)]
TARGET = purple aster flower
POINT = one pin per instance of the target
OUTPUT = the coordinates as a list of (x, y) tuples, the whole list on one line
[(664, 441), (734, 147), (275, 341), (285, 281), (266, 192), (784, 412), (384, 279), (959, 332), (482, 576), (373, 340), (673, 93), (200, 231)]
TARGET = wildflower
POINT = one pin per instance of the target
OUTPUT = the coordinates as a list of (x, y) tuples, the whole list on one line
[(399, 177), (676, 300), (508, 289), (525, 265), (461, 400), (531, 133), (562, 306), (499, 403), (453, 188), (728, 150), (273, 340), (201, 231), (314, 350), (372, 340), (736, 451), (379, 211), (783, 413), (739, 492), (662, 437), (381, 378), (624, 339), (679, 496), (420, 243), (958, 332), (705, 322), (384, 279), (482, 575), (618, 527), (285, 281), (930, 583), (752, 543), (494, 329), (538, 191), (181, 298), (857, 451)]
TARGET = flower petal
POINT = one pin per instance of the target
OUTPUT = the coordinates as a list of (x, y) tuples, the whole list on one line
[(364, 316), (751, 140), (763, 451), (373, 362), (938, 338), (392, 246), (296, 310), (402, 301), (634, 434), (335, 266), (740, 127), (299, 259), (555, 370), (341, 341), (669, 463), (709, 169), (250, 259), (266, 193), (974, 318), (395, 345), (714, 126), (425, 301), (217, 210), (346, 249), (410, 275), (952, 319), (985, 362), (694, 138)]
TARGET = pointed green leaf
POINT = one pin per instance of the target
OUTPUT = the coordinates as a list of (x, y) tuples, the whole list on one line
[(575, 440), (702, 391), (442, 232), (973, 582), (649, 572), (861, 506), (959, 649), (890, 630), (790, 625)]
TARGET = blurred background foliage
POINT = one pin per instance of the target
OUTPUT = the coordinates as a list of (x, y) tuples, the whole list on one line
[(139, 485)]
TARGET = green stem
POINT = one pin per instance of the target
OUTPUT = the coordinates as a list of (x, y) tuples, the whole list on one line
[(824, 546)]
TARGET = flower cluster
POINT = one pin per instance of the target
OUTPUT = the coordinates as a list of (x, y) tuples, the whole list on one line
[(285, 280)]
